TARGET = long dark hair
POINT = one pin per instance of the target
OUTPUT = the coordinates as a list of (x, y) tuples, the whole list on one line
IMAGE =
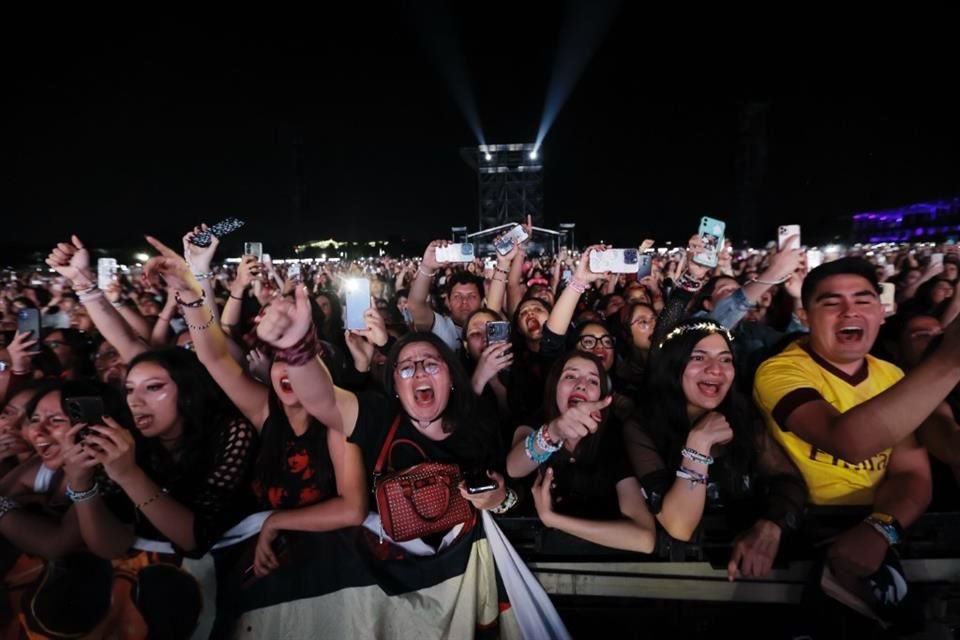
[(663, 407), (205, 410), (588, 447), (461, 405)]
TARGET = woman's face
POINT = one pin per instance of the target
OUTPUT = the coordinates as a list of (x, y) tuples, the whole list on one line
[(708, 375), (13, 416), (530, 319), (324, 303), (476, 334), (579, 382), (110, 367), (80, 320), (422, 381), (46, 430), (613, 306), (64, 352), (941, 291), (642, 323), (152, 397), (597, 340), (281, 384)]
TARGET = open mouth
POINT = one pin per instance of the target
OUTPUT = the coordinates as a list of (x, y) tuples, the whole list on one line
[(142, 420), (423, 395), (709, 389), (285, 385), (46, 449), (533, 324), (849, 334), (575, 399)]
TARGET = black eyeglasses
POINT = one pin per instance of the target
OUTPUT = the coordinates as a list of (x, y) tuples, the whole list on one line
[(589, 342), (408, 368)]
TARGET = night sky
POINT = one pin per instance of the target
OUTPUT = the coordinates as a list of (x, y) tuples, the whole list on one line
[(152, 128)]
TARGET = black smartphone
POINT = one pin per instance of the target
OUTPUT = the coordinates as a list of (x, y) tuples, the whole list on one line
[(477, 481), (28, 321), (645, 266), (86, 410), (220, 229), (497, 332)]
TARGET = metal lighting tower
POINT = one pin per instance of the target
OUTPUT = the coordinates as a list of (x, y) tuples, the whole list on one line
[(509, 183)]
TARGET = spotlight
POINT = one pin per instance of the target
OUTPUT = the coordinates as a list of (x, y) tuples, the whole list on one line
[(533, 154), (141, 257), (488, 157)]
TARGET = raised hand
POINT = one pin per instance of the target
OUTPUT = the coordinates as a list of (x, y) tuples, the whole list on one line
[(430, 263), (114, 448), (199, 258), (72, 261), (20, 351), (285, 323), (583, 273), (494, 359), (171, 267), (578, 421), (711, 429)]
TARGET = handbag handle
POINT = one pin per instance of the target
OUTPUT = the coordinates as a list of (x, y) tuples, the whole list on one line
[(387, 448)]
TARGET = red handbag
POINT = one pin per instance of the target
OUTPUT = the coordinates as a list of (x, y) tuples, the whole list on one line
[(421, 500)]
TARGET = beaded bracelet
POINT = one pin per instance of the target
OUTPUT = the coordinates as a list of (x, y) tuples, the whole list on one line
[(509, 502), (204, 276), (91, 287), (7, 505), (577, 285), (429, 274), (503, 271), (695, 456), (151, 499), (240, 298), (532, 453), (83, 496), (196, 304), (691, 476), (200, 327), (544, 441)]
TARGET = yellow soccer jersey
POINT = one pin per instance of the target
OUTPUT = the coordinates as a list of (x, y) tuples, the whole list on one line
[(796, 376)]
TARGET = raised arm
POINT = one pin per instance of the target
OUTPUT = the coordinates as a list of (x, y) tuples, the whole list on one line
[(288, 326), (420, 289), (566, 305), (249, 396), (72, 261)]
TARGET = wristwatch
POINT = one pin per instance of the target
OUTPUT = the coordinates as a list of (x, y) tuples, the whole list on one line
[(886, 525)]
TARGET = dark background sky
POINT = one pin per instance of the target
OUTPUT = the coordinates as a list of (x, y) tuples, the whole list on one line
[(152, 127)]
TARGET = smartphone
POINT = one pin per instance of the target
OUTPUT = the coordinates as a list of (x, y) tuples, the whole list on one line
[(498, 332), (567, 275), (936, 258), (888, 291), (711, 240), (358, 301), (461, 252), (253, 249), (814, 258), (220, 229), (106, 268), (489, 264), (28, 321), (615, 261), (477, 481), (505, 244), (86, 410), (293, 271), (645, 266), (788, 233)]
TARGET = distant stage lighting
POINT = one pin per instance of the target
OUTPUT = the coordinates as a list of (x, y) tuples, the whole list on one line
[(488, 157), (533, 155)]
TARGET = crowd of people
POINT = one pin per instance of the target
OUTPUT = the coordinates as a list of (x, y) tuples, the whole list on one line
[(203, 447)]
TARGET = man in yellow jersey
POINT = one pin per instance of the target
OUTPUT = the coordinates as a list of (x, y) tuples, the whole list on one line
[(848, 419)]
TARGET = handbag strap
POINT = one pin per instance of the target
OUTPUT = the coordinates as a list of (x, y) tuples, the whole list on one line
[(388, 445)]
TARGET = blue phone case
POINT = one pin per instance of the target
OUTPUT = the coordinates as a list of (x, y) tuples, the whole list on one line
[(711, 237)]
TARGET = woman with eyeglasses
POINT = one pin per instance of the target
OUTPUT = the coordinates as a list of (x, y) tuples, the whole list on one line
[(639, 323), (428, 413), (696, 446)]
